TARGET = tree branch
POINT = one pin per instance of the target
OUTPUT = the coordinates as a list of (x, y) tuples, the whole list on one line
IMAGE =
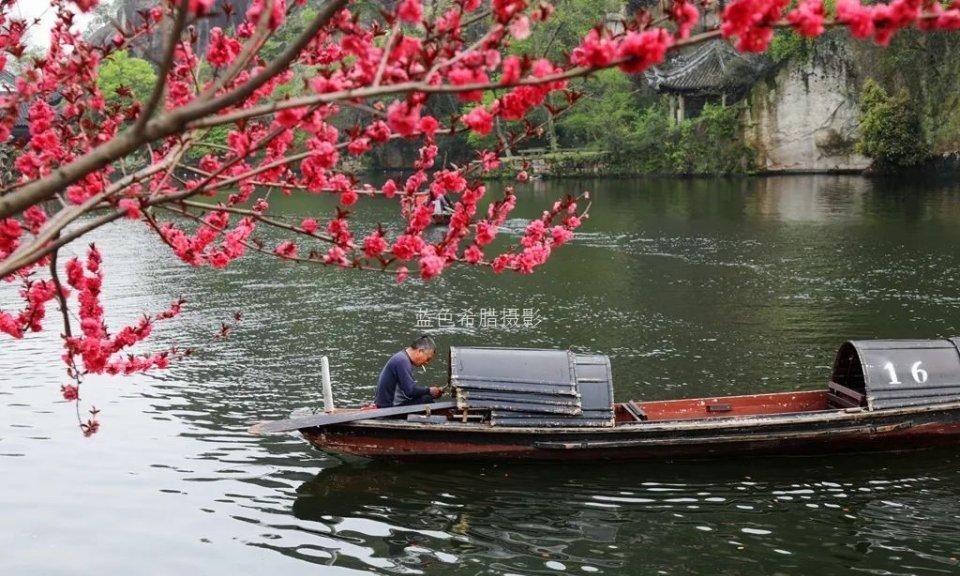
[(258, 217), (30, 253), (61, 298)]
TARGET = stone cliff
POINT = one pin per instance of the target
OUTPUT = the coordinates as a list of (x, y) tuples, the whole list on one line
[(129, 13), (804, 116)]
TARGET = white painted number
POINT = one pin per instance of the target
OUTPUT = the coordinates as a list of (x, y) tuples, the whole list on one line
[(920, 375), (893, 373)]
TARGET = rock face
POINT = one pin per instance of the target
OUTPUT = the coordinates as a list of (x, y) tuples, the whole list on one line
[(805, 118), (130, 13)]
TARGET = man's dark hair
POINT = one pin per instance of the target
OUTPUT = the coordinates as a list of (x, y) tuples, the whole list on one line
[(424, 343)]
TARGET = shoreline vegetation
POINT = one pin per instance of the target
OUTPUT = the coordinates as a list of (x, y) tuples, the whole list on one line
[(585, 164)]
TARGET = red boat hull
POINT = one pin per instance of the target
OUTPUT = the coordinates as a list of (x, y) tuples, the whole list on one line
[(758, 429)]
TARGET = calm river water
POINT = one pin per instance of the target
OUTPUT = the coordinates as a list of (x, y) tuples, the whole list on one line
[(700, 287)]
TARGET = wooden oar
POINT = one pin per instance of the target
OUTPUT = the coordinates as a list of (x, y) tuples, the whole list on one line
[(277, 426)]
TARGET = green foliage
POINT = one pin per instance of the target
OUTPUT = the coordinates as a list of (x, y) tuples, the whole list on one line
[(637, 135), (485, 142), (787, 44), (925, 63), (216, 136), (289, 32), (564, 30), (133, 74), (608, 109), (709, 144), (891, 133)]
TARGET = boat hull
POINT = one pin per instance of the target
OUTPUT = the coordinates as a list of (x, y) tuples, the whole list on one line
[(828, 432)]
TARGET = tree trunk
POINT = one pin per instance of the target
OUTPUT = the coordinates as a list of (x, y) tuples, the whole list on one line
[(504, 142), (552, 134)]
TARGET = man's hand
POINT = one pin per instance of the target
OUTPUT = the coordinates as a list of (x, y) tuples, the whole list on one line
[(436, 392)]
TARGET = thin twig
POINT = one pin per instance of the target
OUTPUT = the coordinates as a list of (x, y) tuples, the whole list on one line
[(386, 53), (167, 63), (256, 248), (260, 218), (61, 298)]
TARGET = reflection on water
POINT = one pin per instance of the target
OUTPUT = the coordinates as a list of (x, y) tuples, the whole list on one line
[(696, 287), (670, 518)]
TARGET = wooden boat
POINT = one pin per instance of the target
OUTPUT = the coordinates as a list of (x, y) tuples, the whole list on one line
[(441, 219), (549, 405)]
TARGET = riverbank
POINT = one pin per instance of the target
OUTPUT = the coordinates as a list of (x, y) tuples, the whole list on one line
[(578, 164)]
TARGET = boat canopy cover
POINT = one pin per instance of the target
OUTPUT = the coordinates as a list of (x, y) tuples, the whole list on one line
[(533, 387), (881, 374)]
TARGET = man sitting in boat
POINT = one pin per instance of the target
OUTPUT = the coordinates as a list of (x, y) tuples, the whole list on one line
[(442, 206), (396, 385)]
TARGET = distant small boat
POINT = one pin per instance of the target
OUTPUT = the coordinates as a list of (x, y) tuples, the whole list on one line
[(441, 219), (523, 404)]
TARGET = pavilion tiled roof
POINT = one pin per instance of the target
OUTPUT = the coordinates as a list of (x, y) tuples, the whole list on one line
[(8, 83), (712, 68)]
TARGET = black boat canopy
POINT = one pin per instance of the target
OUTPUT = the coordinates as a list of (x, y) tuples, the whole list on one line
[(880, 374), (533, 387)]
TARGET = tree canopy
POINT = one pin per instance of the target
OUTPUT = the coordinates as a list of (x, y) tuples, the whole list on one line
[(890, 129), (122, 76)]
